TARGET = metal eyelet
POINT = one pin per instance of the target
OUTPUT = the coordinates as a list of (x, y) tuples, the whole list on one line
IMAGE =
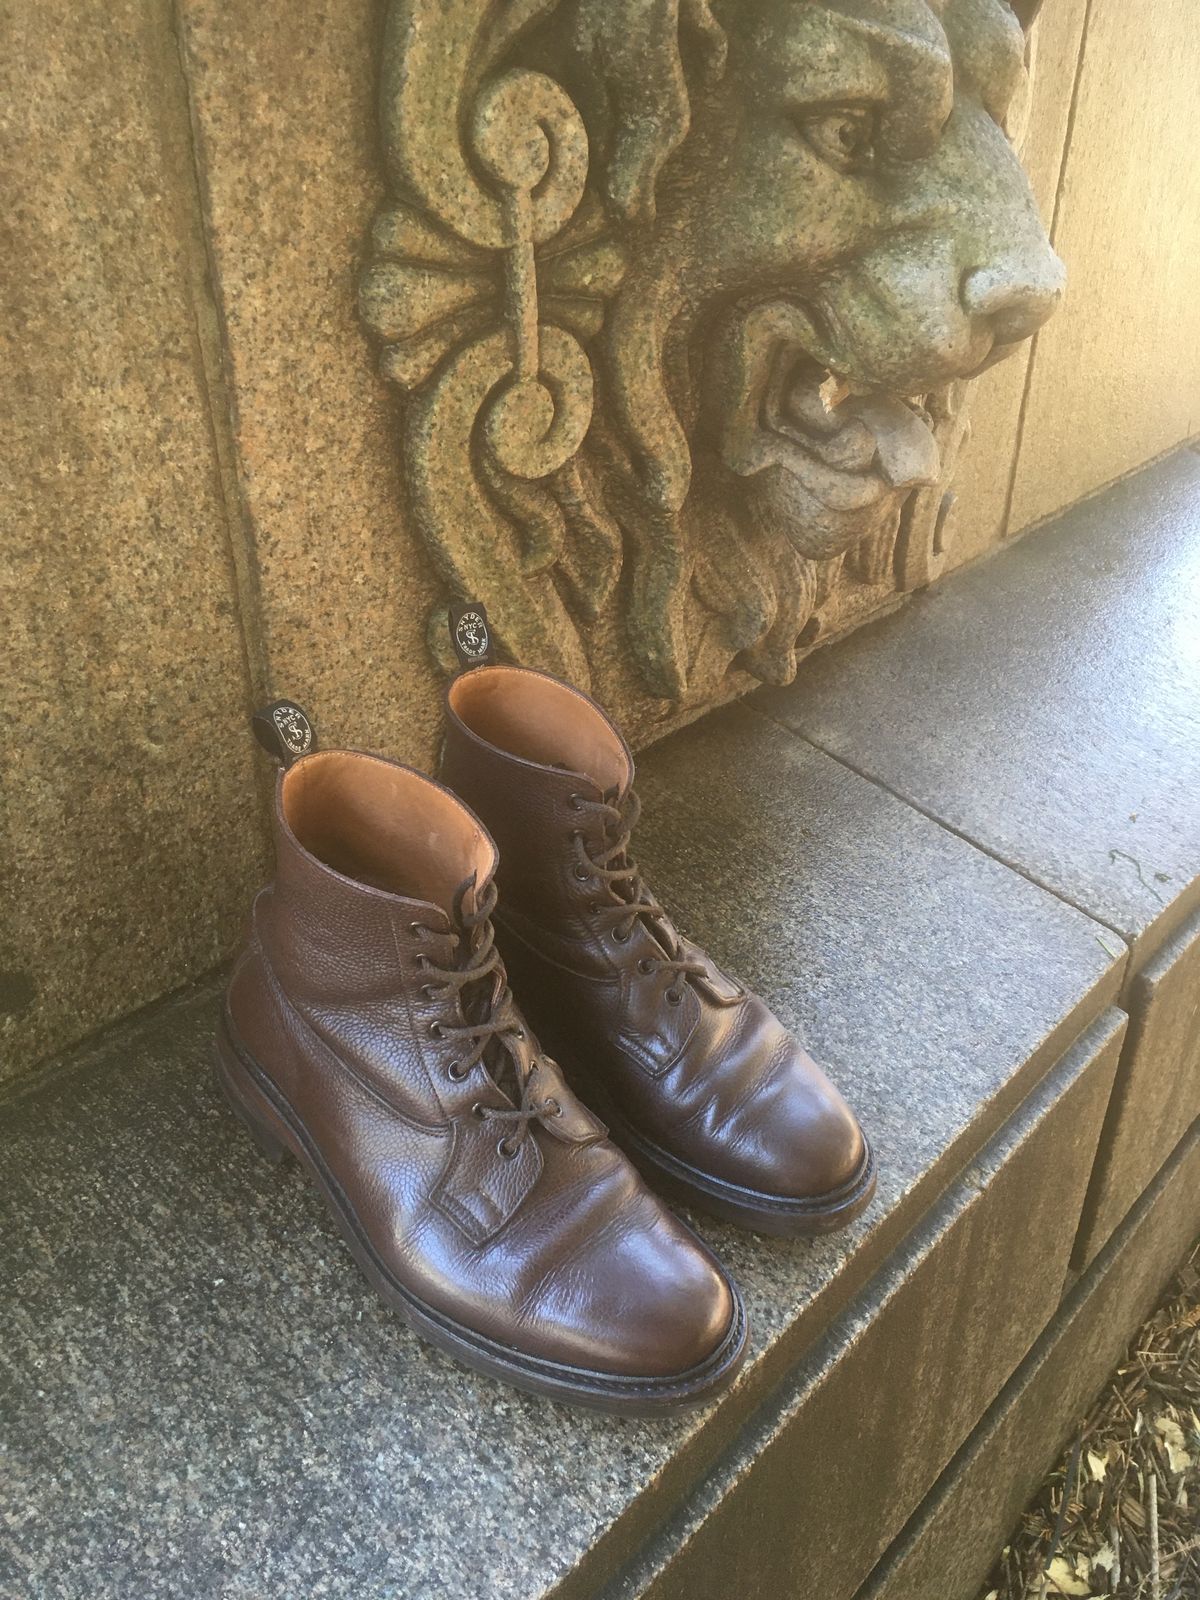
[(553, 1107), (520, 1032), (508, 1151), (582, 873), (418, 930), (456, 1072), (436, 1030), (645, 966), (674, 996), (576, 802), (478, 1109), (429, 990), (621, 938)]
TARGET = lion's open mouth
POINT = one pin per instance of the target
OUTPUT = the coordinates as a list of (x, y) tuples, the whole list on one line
[(852, 440), (786, 408)]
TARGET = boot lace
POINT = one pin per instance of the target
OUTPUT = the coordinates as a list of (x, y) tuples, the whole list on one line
[(489, 1026), (632, 899)]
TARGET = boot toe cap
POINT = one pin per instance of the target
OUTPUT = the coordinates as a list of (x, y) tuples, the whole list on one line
[(647, 1301)]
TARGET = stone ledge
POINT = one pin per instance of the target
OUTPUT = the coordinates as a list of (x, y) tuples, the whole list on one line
[(1046, 706), (206, 1395), (948, 1548), (826, 1475)]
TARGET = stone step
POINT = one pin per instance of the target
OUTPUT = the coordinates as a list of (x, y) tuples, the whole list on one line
[(203, 1396), (821, 1480), (949, 1546), (1046, 705)]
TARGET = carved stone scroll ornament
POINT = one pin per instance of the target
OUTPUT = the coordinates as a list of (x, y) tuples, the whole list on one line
[(684, 296)]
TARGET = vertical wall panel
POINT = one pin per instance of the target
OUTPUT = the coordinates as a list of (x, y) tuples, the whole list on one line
[(130, 830), (1116, 376)]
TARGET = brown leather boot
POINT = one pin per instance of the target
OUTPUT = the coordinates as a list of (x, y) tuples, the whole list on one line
[(370, 1032), (697, 1079)]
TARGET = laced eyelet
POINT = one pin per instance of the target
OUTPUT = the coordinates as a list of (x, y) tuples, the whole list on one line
[(418, 930), (619, 937), (505, 1149), (576, 802), (674, 997), (645, 966), (478, 1109), (423, 961), (553, 1107), (582, 873), (456, 1072), (429, 990), (520, 1033), (436, 1030)]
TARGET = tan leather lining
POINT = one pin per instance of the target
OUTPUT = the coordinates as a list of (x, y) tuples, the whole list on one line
[(542, 720), (384, 825)]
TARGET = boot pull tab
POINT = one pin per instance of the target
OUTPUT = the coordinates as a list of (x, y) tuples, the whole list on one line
[(470, 634), (284, 731)]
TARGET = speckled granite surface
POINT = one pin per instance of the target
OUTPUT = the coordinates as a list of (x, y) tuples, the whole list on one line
[(198, 1393), (1047, 703), (130, 826)]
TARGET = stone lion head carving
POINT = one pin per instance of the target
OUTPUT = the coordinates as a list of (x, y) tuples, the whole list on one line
[(682, 295)]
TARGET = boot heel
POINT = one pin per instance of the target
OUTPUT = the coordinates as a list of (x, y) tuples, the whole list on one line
[(227, 1072)]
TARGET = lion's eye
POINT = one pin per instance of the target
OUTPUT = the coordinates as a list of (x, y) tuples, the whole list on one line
[(844, 138)]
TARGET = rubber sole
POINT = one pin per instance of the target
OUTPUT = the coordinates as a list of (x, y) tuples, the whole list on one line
[(780, 1217), (278, 1132)]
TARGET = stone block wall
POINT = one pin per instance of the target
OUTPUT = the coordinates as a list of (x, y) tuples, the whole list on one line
[(207, 496)]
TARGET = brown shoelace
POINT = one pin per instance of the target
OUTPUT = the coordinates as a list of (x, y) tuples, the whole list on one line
[(489, 1027), (632, 900)]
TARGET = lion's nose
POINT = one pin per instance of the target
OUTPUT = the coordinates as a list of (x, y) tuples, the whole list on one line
[(1014, 300)]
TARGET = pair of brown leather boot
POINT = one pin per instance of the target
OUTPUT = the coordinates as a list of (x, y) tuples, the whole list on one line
[(371, 1032)]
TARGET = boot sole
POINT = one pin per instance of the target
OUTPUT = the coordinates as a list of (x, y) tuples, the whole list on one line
[(782, 1217), (278, 1132)]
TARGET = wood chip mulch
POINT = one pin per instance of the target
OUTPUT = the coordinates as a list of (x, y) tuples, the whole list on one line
[(1120, 1513)]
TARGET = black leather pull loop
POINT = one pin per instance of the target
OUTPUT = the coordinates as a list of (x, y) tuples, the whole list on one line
[(285, 731)]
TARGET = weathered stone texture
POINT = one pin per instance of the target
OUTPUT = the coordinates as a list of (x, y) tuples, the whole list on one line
[(947, 1549), (319, 437), (284, 107), (1116, 378), (129, 829)]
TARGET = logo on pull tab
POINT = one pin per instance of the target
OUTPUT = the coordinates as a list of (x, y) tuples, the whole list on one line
[(284, 731), (469, 633), (295, 730)]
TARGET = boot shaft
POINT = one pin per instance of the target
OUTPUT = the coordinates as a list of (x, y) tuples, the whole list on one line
[(370, 856), (523, 750)]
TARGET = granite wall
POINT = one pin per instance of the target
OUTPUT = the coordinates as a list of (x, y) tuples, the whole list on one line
[(206, 500)]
